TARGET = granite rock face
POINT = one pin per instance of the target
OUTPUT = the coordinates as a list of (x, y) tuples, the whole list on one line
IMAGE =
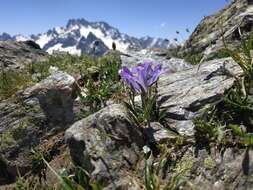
[(157, 133)]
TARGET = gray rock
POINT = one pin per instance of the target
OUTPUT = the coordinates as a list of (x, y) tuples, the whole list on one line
[(157, 133), (134, 58), (232, 170), (92, 45), (208, 170), (56, 97), (107, 144), (184, 94), (185, 89)]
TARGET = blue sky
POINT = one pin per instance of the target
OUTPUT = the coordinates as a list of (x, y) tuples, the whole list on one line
[(157, 18)]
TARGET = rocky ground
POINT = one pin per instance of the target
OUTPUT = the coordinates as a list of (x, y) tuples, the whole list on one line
[(185, 94), (107, 143)]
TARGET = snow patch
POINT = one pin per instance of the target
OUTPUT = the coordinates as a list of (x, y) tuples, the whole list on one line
[(43, 40), (59, 30), (107, 39), (153, 42), (21, 38), (58, 47)]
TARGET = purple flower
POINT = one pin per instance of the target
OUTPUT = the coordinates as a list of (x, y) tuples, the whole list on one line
[(141, 77), (128, 77)]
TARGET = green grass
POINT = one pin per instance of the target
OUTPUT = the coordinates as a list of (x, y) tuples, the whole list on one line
[(218, 55), (11, 82), (193, 59), (227, 124), (230, 122), (15, 135), (102, 85), (178, 179), (73, 179), (197, 58), (6, 140)]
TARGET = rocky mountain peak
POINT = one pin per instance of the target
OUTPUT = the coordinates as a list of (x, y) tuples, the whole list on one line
[(67, 39), (5, 37), (80, 21)]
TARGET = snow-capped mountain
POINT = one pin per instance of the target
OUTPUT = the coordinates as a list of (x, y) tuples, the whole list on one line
[(148, 42), (80, 36)]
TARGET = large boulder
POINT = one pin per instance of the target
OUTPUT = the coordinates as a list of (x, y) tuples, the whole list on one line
[(107, 144), (55, 95)]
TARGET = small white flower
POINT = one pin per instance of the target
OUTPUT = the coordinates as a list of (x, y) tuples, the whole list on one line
[(119, 71), (146, 149), (53, 69), (36, 76)]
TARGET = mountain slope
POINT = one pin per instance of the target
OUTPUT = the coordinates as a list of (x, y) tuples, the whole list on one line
[(207, 37), (80, 36)]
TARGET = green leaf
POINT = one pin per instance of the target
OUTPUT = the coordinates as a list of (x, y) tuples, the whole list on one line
[(236, 130), (133, 113)]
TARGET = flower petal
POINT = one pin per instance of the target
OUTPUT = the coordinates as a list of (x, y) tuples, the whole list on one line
[(141, 79), (127, 76), (155, 75)]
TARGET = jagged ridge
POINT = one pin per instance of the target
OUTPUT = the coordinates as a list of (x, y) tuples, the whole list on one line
[(79, 35)]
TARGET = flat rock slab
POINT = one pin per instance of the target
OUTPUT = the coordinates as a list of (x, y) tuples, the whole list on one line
[(185, 93)]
